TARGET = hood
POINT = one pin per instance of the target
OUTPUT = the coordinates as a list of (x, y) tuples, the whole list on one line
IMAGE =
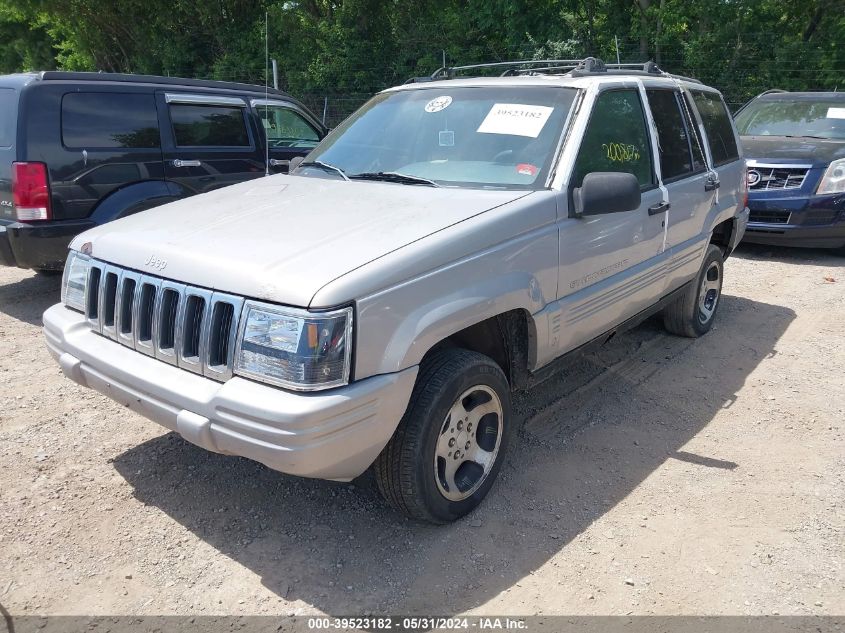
[(816, 151), (282, 238)]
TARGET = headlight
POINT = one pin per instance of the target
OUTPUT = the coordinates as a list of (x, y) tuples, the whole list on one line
[(292, 348), (833, 180), (74, 280)]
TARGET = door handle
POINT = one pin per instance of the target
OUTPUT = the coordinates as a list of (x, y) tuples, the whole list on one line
[(276, 162), (712, 185), (660, 207), (178, 162)]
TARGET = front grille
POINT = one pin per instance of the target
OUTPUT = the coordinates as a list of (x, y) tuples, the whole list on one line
[(769, 216), (192, 328), (775, 178)]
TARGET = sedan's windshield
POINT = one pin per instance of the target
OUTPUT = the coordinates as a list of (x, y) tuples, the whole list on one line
[(818, 118), (499, 137)]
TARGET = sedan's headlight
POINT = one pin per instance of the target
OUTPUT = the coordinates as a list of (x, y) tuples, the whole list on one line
[(292, 348), (833, 180), (74, 280)]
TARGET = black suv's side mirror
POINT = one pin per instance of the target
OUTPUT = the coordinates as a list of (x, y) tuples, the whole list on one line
[(606, 192)]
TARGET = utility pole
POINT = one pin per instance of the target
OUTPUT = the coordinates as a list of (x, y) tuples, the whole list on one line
[(275, 74)]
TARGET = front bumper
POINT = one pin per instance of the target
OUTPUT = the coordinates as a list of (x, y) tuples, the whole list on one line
[(42, 246), (333, 434), (817, 222)]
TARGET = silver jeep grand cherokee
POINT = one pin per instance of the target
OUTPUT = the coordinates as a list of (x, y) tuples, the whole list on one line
[(448, 241)]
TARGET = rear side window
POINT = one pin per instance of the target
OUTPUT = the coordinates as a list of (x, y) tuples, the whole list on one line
[(616, 139), (679, 149), (104, 120), (208, 126), (717, 126), (8, 116)]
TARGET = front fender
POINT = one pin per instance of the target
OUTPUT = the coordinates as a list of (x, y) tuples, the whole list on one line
[(136, 197), (398, 326)]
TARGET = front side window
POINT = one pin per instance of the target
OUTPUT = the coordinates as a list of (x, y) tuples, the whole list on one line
[(286, 127), (717, 126), (674, 140), (816, 117), (501, 137), (616, 139), (105, 120), (208, 125)]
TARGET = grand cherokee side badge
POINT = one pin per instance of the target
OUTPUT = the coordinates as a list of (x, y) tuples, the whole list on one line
[(155, 262)]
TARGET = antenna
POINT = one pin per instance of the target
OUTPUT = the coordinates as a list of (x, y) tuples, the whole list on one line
[(266, 92)]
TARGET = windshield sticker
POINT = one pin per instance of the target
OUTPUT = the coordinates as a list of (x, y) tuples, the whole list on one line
[(619, 153), (526, 169), (836, 113), (446, 138), (438, 104), (515, 119)]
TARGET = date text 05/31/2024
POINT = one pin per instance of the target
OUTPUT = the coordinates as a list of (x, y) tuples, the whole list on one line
[(417, 623)]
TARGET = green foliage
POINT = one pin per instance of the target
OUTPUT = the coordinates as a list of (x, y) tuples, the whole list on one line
[(359, 46)]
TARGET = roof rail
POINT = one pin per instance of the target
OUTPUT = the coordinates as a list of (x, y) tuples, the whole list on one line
[(58, 75), (573, 67)]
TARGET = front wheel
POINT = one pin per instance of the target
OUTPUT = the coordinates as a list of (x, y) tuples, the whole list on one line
[(448, 447), (692, 314)]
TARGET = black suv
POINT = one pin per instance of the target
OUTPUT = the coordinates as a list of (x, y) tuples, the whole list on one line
[(81, 149), (795, 146)]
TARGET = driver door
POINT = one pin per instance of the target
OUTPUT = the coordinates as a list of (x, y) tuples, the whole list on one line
[(288, 132), (611, 265)]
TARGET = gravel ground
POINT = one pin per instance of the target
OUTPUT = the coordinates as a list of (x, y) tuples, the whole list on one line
[(658, 476)]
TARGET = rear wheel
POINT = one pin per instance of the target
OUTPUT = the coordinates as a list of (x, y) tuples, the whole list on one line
[(692, 314), (448, 448)]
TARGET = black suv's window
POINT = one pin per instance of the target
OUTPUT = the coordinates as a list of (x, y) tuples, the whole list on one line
[(94, 120), (616, 139), (208, 126), (698, 162), (717, 126), (7, 118), (287, 128), (676, 145)]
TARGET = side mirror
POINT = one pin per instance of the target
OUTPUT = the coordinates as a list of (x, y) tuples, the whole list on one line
[(294, 163), (606, 192)]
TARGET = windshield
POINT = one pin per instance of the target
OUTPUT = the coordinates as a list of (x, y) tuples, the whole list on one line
[(822, 118), (490, 137)]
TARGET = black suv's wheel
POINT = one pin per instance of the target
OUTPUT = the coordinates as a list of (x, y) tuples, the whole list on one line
[(693, 312), (447, 450)]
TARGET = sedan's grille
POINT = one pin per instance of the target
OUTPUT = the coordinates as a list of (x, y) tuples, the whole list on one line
[(774, 178), (769, 216), (192, 328)]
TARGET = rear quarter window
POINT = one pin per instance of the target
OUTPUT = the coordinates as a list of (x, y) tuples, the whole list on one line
[(717, 126), (105, 120), (8, 116)]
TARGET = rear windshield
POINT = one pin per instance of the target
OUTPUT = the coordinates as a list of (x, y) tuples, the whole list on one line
[(8, 116), (822, 118)]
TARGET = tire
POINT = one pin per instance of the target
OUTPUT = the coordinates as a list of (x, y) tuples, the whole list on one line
[(460, 400), (45, 272), (693, 313)]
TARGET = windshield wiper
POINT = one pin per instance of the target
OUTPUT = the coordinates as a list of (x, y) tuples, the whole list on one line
[(326, 166), (392, 176)]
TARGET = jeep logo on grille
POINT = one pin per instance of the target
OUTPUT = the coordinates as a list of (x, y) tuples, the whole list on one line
[(753, 177), (156, 262)]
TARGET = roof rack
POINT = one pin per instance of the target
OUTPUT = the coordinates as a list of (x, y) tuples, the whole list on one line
[(588, 66)]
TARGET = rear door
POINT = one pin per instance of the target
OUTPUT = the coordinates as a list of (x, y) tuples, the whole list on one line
[(611, 264), (685, 176), (289, 131), (207, 139)]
